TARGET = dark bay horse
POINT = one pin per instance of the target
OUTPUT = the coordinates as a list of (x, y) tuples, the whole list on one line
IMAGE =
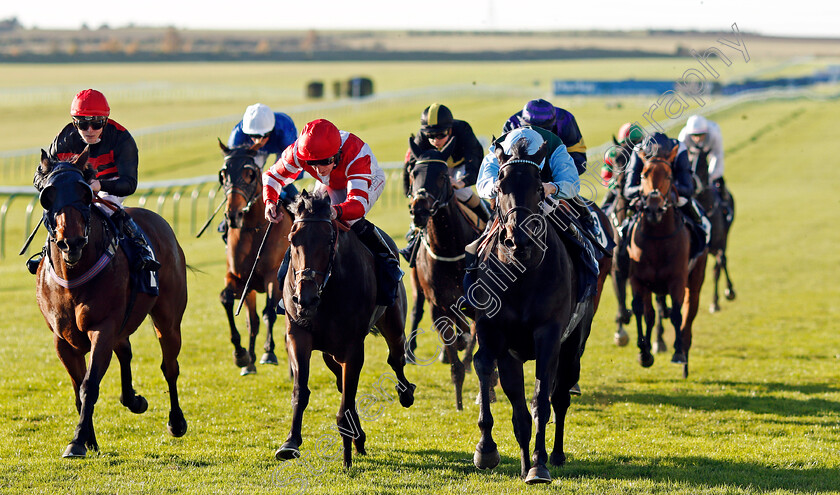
[(87, 299), (242, 181), (330, 297), (438, 273), (659, 261), (525, 298), (709, 199)]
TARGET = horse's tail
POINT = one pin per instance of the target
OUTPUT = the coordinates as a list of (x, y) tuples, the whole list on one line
[(195, 270)]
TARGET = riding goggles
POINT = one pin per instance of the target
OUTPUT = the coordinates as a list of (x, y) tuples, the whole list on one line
[(85, 123)]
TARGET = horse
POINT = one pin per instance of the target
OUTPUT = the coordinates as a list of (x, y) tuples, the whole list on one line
[(438, 273), (620, 267), (712, 204), (241, 178), (330, 297), (659, 260), (525, 299), (89, 303)]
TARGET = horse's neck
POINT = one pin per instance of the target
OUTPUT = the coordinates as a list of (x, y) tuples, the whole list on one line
[(446, 229)]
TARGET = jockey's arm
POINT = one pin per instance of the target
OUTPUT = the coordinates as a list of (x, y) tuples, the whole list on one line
[(488, 175), (715, 155), (633, 177), (282, 173), (359, 180), (683, 179), (564, 174), (126, 160)]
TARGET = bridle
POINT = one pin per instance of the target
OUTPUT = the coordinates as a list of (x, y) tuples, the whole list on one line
[(504, 215), (656, 193), (309, 274), (249, 192), (437, 203)]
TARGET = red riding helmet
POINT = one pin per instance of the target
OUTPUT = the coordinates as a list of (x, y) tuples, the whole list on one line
[(318, 140), (90, 103)]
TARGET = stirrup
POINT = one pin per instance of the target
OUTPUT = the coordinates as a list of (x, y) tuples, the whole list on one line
[(33, 262)]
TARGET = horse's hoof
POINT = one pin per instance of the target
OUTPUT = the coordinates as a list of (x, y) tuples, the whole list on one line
[(730, 294), (714, 308), (624, 317), (248, 370), (621, 338), (660, 346), (679, 358), (557, 459), (74, 451), (406, 395), (538, 474), (487, 460), (646, 359), (177, 425), (575, 390), (287, 452), (269, 358), (140, 405), (360, 447), (242, 358)]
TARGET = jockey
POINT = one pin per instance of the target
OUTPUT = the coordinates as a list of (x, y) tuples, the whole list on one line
[(348, 172), (629, 135), (704, 135), (270, 133), (540, 113), (560, 181), (456, 139), (114, 158), (659, 144)]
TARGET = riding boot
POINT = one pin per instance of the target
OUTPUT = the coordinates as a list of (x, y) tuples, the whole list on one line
[(145, 258), (479, 208), (471, 261), (223, 229), (387, 262), (692, 210), (412, 236), (281, 278), (584, 215), (725, 198), (35, 260)]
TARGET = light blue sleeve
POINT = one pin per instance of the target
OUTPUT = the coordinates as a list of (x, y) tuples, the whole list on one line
[(488, 175), (563, 174)]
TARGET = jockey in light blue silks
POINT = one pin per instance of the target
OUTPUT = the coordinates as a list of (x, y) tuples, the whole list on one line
[(560, 182)]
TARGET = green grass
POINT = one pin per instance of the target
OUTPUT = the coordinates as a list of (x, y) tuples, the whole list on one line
[(760, 412)]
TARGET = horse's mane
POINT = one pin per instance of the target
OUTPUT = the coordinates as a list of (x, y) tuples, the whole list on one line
[(313, 205)]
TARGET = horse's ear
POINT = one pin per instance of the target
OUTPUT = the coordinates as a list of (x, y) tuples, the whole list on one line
[(413, 147), (224, 148), (539, 156), (46, 163), (81, 161), (615, 141), (642, 155), (674, 151)]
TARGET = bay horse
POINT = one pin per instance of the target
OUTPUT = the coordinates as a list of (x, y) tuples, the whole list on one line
[(659, 260), (709, 199), (620, 268), (241, 178), (438, 273), (88, 301), (330, 298), (532, 314)]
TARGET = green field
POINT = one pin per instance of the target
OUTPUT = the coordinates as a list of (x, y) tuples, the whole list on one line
[(760, 412)]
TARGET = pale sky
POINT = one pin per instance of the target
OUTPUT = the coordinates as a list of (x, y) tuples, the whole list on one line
[(799, 18)]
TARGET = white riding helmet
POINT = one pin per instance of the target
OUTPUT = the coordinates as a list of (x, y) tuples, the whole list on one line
[(697, 124), (258, 119)]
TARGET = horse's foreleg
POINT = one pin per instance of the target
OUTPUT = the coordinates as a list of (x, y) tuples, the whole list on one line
[(269, 316), (84, 438), (619, 279), (511, 379), (135, 403), (486, 453), (347, 419), (468, 352), (450, 337), (227, 298), (661, 309), (677, 292), (300, 352), (74, 363), (715, 306), (253, 331), (691, 303), (730, 290), (640, 295)]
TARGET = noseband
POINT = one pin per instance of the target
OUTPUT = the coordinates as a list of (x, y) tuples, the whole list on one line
[(656, 193), (437, 203), (504, 215)]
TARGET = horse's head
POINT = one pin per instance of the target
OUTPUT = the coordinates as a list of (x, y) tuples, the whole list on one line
[(521, 153), (430, 187), (657, 180), (313, 239), (66, 199), (241, 178)]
